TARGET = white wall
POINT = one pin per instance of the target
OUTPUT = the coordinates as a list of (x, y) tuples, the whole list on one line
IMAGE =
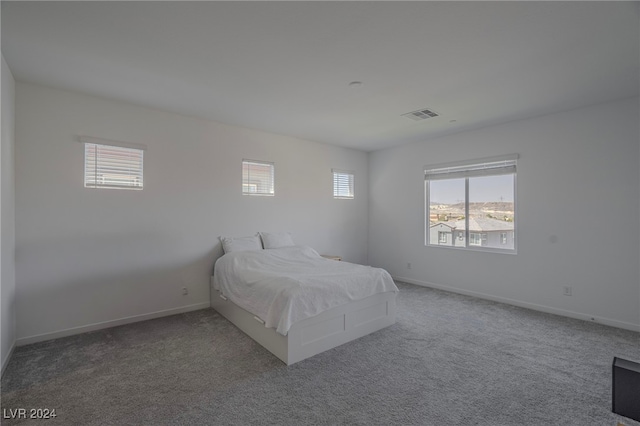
[(90, 258), (578, 218), (7, 218)]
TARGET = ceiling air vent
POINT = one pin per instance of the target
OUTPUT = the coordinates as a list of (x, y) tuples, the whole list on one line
[(421, 114)]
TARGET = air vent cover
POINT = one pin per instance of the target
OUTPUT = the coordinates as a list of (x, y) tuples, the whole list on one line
[(421, 114)]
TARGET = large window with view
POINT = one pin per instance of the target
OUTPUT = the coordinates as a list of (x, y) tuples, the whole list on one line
[(472, 204)]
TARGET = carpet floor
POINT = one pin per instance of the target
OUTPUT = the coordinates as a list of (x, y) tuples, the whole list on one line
[(449, 360)]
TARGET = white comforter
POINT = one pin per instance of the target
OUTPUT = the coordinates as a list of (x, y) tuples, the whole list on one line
[(286, 285)]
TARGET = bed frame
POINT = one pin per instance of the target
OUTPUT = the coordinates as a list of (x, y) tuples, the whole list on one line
[(314, 335)]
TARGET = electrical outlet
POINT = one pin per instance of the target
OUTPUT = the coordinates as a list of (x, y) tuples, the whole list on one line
[(185, 291), (566, 290), (408, 265)]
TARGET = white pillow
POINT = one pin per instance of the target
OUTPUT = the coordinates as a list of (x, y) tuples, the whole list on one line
[(276, 240), (230, 244)]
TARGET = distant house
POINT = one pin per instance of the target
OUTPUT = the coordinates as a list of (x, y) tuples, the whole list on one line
[(444, 234), (483, 231)]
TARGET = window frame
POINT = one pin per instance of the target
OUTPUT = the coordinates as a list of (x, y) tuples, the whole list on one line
[(336, 174), (475, 239), (458, 169), (248, 184), (123, 148)]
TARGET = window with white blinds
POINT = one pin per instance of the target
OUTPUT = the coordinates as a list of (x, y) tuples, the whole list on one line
[(342, 184), (258, 178), (108, 166), (475, 200)]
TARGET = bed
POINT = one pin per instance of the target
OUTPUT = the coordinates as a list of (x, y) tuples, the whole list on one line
[(296, 303)]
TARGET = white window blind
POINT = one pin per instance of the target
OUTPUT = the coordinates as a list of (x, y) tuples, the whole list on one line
[(484, 167), (342, 184), (108, 166), (258, 178)]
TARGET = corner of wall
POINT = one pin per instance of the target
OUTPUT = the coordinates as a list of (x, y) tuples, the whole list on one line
[(7, 216)]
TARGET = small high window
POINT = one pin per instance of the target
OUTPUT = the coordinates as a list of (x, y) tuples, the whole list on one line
[(110, 166), (343, 184), (258, 178)]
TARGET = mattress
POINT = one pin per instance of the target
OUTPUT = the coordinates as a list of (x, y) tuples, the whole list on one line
[(289, 284)]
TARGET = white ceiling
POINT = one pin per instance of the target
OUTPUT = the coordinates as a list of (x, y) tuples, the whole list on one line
[(284, 67)]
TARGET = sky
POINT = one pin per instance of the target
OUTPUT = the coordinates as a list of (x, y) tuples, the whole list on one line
[(481, 189)]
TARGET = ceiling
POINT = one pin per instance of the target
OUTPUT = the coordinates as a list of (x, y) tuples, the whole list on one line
[(285, 67)]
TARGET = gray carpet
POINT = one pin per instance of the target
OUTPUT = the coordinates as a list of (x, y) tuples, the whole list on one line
[(449, 360)]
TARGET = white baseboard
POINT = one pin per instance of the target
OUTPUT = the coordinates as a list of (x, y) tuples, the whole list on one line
[(107, 324), (535, 307), (5, 361)]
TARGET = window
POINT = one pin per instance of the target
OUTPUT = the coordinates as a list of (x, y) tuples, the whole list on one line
[(476, 199), (257, 178), (503, 238), (442, 237), (342, 184), (474, 239), (111, 166)]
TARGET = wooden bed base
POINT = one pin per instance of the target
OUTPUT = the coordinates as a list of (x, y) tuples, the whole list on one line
[(314, 335)]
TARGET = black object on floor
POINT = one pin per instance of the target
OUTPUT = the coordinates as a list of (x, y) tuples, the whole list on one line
[(626, 388)]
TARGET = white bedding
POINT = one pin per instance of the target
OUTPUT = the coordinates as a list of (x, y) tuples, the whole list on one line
[(285, 285)]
